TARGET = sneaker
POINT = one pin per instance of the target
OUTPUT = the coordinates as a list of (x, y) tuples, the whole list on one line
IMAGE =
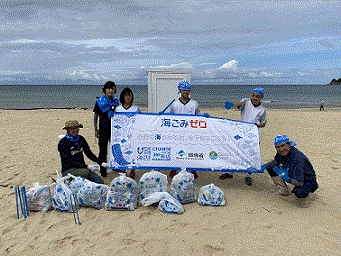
[(304, 202), (248, 180), (225, 176)]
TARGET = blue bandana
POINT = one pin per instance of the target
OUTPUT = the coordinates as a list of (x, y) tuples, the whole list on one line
[(72, 138), (259, 90), (283, 138), (105, 104), (184, 85)]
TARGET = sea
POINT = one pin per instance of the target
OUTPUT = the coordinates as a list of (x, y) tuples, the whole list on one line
[(208, 96)]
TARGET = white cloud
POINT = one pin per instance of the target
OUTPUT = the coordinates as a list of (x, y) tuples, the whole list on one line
[(182, 65), (233, 64)]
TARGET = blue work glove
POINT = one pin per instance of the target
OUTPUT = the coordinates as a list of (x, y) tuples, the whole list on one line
[(228, 104), (206, 115), (281, 173), (111, 114), (263, 167)]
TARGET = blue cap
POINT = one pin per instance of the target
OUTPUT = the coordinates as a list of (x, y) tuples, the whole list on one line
[(283, 138), (184, 85), (259, 90)]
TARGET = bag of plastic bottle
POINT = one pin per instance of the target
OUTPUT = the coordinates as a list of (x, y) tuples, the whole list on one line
[(39, 198), (77, 183), (92, 195), (183, 188), (63, 197), (211, 195), (151, 182), (123, 194), (167, 203)]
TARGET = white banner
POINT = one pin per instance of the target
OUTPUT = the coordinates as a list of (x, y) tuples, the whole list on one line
[(174, 141)]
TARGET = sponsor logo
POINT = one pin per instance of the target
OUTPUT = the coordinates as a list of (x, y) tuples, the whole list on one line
[(213, 155), (181, 153)]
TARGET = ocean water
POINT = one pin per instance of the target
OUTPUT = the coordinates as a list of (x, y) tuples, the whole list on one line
[(208, 96)]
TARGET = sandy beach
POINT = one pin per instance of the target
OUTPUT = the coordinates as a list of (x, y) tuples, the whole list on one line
[(254, 221)]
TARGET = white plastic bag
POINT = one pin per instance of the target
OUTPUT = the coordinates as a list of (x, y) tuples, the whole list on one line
[(62, 196), (167, 203), (183, 187), (151, 182), (77, 183), (92, 195), (211, 195), (122, 194), (39, 198)]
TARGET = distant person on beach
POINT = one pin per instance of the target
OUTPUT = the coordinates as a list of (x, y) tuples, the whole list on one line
[(292, 166), (252, 111), (104, 104), (321, 105), (127, 99), (71, 148), (184, 105)]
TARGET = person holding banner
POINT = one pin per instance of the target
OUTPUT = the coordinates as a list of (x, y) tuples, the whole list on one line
[(292, 166), (71, 148), (103, 106), (184, 105), (252, 111), (127, 99)]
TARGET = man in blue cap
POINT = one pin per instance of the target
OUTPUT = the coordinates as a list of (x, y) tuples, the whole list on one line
[(252, 111), (292, 166)]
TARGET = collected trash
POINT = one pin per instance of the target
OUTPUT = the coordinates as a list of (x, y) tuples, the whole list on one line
[(123, 194), (183, 187), (61, 199), (39, 198), (211, 195), (151, 182), (167, 203), (92, 195)]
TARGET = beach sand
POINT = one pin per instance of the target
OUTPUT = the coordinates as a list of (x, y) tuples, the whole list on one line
[(254, 221)]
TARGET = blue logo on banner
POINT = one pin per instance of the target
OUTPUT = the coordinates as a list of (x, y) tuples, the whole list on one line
[(181, 153)]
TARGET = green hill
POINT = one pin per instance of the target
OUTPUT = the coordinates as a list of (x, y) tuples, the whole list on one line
[(334, 81)]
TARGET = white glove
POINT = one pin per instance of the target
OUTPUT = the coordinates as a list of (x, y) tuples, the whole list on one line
[(105, 165), (93, 167)]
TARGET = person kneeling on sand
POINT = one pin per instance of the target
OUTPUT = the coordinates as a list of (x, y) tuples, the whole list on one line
[(71, 148), (292, 166)]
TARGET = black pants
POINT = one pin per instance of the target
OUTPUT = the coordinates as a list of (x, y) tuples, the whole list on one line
[(103, 140), (84, 173)]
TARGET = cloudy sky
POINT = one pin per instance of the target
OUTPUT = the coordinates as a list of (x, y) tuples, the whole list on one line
[(221, 42)]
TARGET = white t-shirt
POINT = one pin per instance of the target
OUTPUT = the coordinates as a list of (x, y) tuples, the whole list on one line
[(132, 108), (191, 107), (252, 114)]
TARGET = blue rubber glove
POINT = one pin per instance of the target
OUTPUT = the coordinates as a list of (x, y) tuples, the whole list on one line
[(263, 167), (281, 173), (228, 104), (111, 114), (206, 115)]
